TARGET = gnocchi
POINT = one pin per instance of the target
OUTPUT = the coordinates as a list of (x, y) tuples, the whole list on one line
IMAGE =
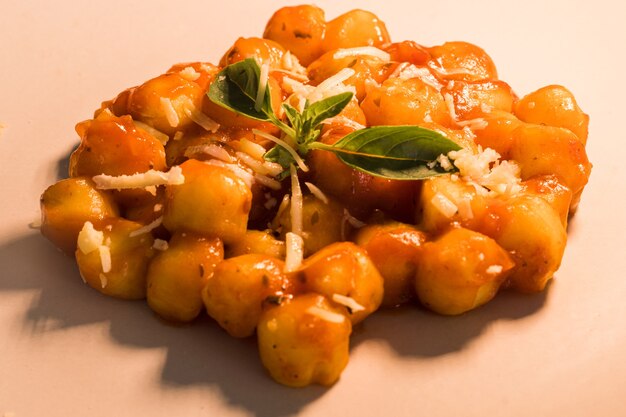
[(266, 217)]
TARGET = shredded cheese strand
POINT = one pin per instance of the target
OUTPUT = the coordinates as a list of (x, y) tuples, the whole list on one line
[(296, 202), (141, 180), (348, 302), (362, 50), (319, 194), (170, 112), (294, 251), (285, 145), (147, 228), (326, 315), (263, 79), (158, 135)]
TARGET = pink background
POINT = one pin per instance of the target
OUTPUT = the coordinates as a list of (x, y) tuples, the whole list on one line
[(65, 350)]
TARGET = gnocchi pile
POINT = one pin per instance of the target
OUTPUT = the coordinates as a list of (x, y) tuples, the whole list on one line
[(315, 175)]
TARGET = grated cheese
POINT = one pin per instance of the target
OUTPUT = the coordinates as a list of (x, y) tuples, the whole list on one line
[(147, 228), (348, 302), (170, 112), (141, 180), (444, 205), (103, 280), (449, 100), (256, 165), (199, 118), (267, 181), (486, 172), (408, 71), (396, 72), (244, 175), (291, 64), (158, 135), (189, 73), (485, 108), (285, 145), (296, 202), (89, 239), (354, 222), (452, 71), (273, 168), (443, 161), (316, 192), (494, 269), (296, 87), (362, 50), (283, 206), (465, 208), (326, 315), (272, 325), (160, 245), (474, 124), (105, 258), (297, 76), (270, 203), (253, 149), (215, 151), (263, 79), (294, 255), (332, 86)]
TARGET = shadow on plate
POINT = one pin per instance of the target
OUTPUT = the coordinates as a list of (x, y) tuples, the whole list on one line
[(199, 354), (63, 164), (202, 354), (421, 333)]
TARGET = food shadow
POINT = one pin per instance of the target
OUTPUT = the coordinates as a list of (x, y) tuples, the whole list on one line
[(199, 354), (421, 333)]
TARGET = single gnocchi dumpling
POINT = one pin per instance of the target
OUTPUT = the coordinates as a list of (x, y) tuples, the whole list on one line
[(241, 287), (68, 204), (304, 341), (212, 201), (345, 274), (300, 29), (394, 249), (459, 271), (114, 260), (531, 230), (261, 242), (179, 272), (322, 223)]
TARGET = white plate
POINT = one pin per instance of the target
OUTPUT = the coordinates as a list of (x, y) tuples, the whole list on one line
[(65, 350)]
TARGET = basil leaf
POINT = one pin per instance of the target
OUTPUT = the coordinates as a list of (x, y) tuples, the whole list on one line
[(319, 111), (393, 152), (295, 118), (235, 88), (281, 156)]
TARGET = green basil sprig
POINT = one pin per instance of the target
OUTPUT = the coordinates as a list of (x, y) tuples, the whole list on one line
[(392, 152)]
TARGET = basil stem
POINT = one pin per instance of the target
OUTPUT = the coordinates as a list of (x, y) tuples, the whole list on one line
[(392, 152)]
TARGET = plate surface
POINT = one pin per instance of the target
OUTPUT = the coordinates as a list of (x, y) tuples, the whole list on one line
[(65, 350)]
